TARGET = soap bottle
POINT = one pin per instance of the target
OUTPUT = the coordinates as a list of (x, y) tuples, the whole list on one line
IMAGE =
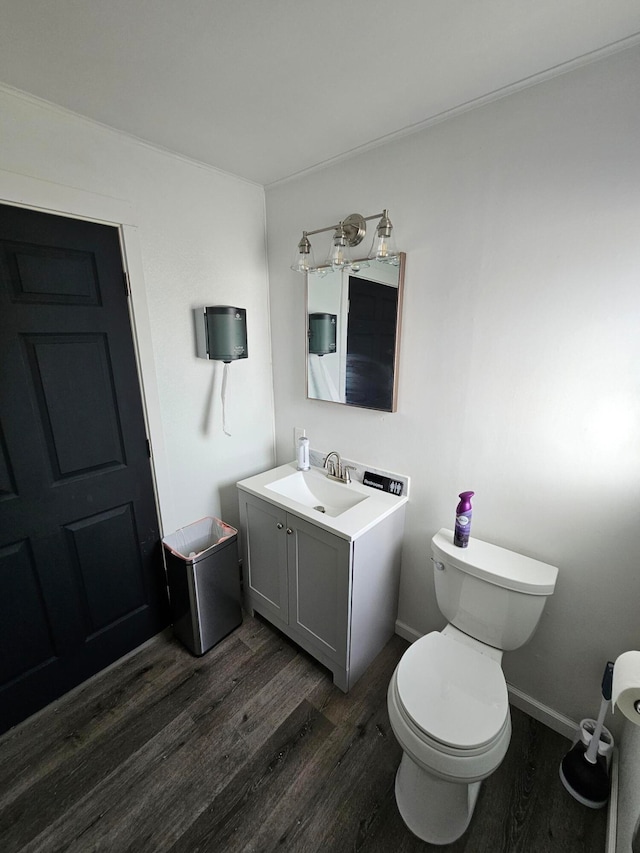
[(463, 520), (303, 452)]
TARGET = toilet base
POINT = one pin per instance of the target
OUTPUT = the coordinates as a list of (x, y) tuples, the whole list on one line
[(434, 810)]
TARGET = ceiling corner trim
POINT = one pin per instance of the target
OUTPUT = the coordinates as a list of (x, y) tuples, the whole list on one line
[(475, 103)]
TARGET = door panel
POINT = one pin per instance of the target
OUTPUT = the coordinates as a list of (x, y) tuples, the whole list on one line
[(71, 377), (26, 626), (46, 274), (267, 556), (81, 574), (319, 576), (106, 554)]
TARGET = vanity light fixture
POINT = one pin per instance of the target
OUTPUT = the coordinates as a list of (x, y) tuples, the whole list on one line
[(347, 234)]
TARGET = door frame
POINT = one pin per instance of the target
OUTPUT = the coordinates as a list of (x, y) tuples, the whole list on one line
[(48, 197)]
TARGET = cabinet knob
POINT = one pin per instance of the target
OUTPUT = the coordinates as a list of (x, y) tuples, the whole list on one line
[(279, 525), (289, 531)]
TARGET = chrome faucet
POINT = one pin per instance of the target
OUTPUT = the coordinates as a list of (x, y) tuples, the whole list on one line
[(335, 469)]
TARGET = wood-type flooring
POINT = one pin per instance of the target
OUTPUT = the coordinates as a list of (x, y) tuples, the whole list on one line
[(252, 748)]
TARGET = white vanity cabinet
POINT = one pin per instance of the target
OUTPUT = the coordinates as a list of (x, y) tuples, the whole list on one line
[(336, 596)]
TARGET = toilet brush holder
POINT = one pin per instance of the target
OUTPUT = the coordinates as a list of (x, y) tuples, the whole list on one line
[(606, 742), (584, 771)]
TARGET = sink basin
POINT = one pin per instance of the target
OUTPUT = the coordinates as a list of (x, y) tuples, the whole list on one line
[(314, 490), (347, 510)]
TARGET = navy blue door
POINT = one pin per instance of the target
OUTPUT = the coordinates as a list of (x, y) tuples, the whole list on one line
[(81, 575)]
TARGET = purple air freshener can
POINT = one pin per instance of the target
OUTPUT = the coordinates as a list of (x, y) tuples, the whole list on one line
[(463, 520)]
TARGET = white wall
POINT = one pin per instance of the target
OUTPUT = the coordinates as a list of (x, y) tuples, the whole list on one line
[(520, 358), (201, 240)]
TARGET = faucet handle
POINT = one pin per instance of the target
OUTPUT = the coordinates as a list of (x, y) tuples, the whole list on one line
[(346, 476)]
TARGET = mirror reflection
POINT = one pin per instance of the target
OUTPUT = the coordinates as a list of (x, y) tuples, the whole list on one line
[(353, 317)]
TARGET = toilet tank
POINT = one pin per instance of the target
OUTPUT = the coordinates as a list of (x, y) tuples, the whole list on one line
[(490, 593)]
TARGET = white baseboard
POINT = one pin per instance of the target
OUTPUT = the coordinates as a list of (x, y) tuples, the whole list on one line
[(543, 713), (407, 633)]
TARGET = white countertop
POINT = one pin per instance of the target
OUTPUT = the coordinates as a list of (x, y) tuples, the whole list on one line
[(350, 524)]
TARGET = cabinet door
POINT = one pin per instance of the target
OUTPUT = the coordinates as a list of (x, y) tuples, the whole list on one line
[(266, 557), (319, 587)]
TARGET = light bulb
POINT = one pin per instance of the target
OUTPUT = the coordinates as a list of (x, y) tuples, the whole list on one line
[(338, 257), (382, 247), (302, 264)]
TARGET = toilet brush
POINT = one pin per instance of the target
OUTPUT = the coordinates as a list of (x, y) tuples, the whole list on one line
[(583, 771)]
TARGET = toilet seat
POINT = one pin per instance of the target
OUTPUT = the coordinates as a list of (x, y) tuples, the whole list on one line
[(449, 763), (454, 695)]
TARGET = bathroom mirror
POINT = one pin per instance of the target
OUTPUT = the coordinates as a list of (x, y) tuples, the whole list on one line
[(353, 334)]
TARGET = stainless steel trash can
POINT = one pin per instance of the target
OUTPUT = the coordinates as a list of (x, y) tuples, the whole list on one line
[(204, 582)]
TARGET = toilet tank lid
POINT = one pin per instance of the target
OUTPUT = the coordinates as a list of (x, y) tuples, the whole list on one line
[(496, 565)]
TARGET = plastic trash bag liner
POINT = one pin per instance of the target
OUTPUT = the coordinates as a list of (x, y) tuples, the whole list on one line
[(198, 539)]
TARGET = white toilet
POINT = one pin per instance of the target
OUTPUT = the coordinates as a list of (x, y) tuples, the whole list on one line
[(447, 700)]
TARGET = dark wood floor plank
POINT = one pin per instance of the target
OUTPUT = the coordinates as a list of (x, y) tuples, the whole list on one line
[(271, 705), (186, 784), (349, 794), (354, 715), (99, 703), (52, 736), (87, 824), (345, 709), (542, 816), (537, 773), (255, 632), (237, 815), (161, 789), (251, 748), (390, 834), (104, 750), (305, 794)]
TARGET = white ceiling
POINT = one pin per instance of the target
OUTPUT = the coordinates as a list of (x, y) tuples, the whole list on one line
[(268, 88)]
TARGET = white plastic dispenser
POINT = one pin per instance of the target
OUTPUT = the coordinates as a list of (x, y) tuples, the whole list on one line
[(303, 453)]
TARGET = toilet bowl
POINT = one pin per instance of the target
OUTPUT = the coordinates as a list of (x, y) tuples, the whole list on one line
[(447, 700), (449, 710)]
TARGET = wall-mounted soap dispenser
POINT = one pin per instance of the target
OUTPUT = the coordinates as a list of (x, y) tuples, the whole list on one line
[(221, 332), (322, 333)]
